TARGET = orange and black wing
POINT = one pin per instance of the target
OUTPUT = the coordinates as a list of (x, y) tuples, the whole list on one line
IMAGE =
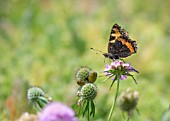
[(120, 45)]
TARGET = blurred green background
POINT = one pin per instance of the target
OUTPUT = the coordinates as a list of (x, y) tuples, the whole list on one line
[(43, 42)]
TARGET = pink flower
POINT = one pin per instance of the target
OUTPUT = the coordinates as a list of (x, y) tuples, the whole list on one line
[(108, 67), (119, 68), (123, 77), (57, 111), (116, 64)]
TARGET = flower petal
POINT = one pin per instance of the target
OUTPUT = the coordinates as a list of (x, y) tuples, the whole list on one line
[(123, 77)]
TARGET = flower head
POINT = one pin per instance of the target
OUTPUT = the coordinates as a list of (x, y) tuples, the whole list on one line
[(34, 94), (82, 75), (85, 101), (120, 68), (37, 96), (128, 100), (89, 91), (56, 111), (85, 75)]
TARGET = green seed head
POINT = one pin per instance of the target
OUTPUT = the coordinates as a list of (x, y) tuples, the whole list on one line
[(34, 93), (128, 100), (92, 77), (82, 76), (89, 91)]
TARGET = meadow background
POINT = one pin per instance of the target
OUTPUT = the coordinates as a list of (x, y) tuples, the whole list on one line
[(43, 42)]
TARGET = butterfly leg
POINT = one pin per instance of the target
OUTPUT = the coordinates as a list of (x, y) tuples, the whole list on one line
[(105, 60)]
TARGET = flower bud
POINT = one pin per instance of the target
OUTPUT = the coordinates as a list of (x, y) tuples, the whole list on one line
[(82, 76), (34, 94), (92, 77), (89, 91), (128, 100)]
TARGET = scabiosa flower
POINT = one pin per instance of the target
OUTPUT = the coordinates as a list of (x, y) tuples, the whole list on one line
[(57, 111), (85, 75), (89, 91), (119, 69), (82, 75), (34, 93), (86, 95), (37, 96), (128, 100)]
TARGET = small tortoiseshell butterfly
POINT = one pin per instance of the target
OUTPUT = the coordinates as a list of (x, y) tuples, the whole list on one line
[(120, 45)]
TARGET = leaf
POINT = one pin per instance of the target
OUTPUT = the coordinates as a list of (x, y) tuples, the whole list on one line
[(40, 104), (108, 78), (86, 107), (37, 107), (81, 109), (113, 82), (92, 108), (74, 106), (133, 78), (43, 99)]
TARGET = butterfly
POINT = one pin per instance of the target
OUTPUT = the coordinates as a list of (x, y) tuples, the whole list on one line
[(120, 45)]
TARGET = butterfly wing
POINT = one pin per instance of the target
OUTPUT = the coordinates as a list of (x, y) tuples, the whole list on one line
[(120, 45)]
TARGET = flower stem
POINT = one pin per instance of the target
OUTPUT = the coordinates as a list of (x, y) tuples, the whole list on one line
[(114, 101)]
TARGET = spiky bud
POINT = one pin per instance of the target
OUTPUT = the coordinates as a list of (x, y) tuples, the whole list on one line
[(89, 91), (57, 111), (92, 77), (82, 76), (128, 100), (34, 94)]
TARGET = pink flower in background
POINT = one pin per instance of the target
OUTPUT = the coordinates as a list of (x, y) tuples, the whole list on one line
[(56, 111)]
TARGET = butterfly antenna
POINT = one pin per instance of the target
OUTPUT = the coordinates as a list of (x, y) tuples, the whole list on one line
[(98, 53), (97, 50)]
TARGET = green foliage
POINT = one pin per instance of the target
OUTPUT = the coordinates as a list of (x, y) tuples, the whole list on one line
[(42, 42)]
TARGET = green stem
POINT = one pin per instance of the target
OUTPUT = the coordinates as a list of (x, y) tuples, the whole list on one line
[(114, 101)]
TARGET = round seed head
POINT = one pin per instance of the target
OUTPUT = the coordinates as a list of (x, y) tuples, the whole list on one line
[(128, 100), (34, 93), (89, 91), (82, 76)]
